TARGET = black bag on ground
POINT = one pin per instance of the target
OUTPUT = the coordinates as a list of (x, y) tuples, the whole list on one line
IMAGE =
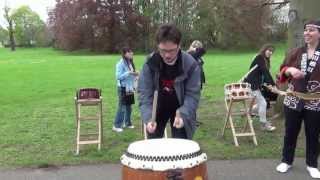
[(127, 98)]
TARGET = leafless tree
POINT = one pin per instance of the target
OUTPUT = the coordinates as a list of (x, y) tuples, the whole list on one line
[(10, 28)]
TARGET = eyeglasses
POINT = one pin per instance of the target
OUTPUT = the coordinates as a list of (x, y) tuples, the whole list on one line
[(168, 51)]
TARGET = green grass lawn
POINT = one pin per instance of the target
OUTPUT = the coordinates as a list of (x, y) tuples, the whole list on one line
[(37, 114)]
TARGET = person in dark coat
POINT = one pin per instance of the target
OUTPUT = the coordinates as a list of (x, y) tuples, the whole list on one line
[(197, 51), (257, 77)]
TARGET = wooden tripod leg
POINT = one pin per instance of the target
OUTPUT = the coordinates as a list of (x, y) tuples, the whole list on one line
[(235, 139), (78, 127), (229, 118), (251, 105), (226, 119), (249, 121), (100, 125), (245, 127)]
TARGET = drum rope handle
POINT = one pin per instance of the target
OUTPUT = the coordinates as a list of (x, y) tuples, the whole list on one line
[(305, 96)]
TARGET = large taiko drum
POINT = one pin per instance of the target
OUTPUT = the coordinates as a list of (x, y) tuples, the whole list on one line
[(164, 159), (237, 91)]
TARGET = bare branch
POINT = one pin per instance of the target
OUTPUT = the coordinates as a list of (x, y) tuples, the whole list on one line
[(283, 3), (278, 5)]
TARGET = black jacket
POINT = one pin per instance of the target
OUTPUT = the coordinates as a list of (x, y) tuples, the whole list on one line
[(259, 75), (197, 55)]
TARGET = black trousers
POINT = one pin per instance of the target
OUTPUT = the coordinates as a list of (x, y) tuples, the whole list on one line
[(163, 115), (293, 121)]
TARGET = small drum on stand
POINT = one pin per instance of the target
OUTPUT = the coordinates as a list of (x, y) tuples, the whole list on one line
[(237, 91), (88, 97), (240, 93), (88, 93), (163, 159)]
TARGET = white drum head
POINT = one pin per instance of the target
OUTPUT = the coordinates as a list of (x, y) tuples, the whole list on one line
[(163, 154)]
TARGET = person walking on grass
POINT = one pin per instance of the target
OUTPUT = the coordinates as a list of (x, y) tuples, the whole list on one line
[(125, 74), (196, 50), (257, 78)]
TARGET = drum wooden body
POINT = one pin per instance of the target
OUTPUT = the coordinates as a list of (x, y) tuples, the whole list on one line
[(164, 159), (237, 91), (196, 173)]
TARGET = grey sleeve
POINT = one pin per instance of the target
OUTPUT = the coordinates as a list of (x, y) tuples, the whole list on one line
[(145, 93), (192, 96)]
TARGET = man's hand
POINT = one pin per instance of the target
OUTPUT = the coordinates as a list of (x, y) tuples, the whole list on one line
[(294, 72), (178, 121), (151, 126)]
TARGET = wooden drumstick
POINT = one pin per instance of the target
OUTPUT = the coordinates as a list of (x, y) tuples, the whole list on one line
[(153, 114), (253, 68), (154, 106)]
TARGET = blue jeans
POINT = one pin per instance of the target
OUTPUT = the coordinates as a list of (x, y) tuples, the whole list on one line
[(123, 113)]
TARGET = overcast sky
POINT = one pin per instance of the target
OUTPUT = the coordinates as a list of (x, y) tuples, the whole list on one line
[(39, 6)]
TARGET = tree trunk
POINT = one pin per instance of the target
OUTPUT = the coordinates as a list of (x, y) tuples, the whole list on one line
[(10, 28), (11, 36), (300, 12)]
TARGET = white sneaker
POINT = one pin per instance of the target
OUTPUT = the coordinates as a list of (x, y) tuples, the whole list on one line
[(117, 129), (268, 127), (283, 167), (130, 127), (314, 172)]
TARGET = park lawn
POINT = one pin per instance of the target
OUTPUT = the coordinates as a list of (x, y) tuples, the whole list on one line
[(37, 114)]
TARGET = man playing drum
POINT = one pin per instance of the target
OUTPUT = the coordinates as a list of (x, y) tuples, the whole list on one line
[(176, 77)]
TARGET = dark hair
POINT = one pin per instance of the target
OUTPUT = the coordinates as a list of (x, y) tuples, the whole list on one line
[(314, 22), (262, 52), (264, 48), (124, 50), (168, 32)]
